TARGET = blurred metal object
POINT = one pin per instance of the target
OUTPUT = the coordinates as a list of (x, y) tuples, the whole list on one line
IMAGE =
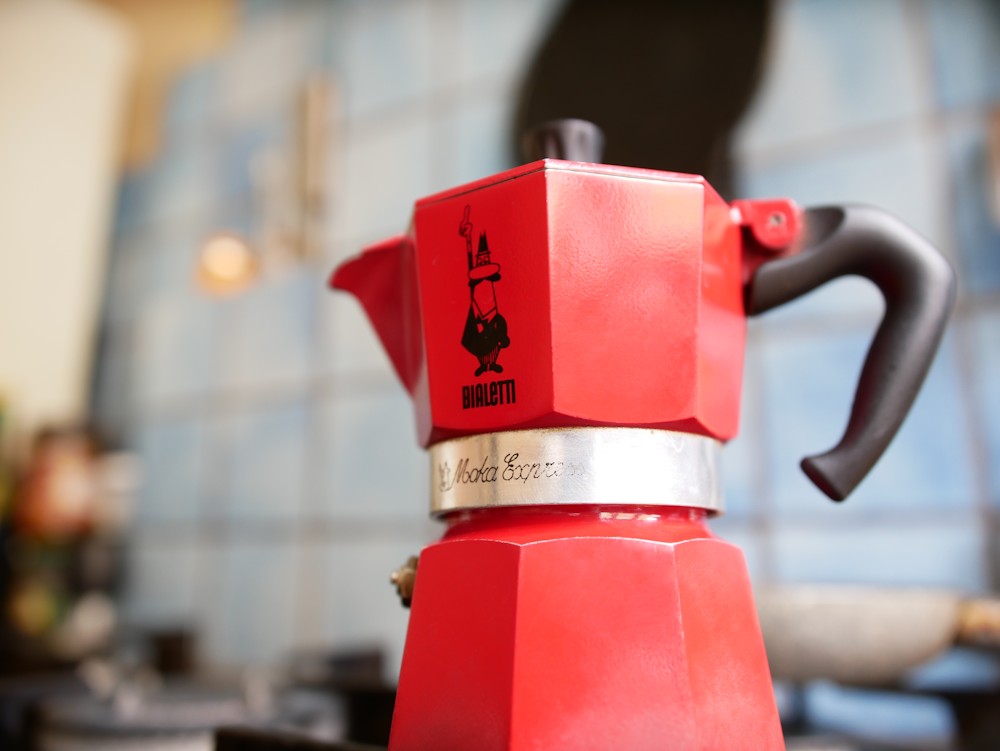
[(854, 635), (87, 628), (292, 192), (253, 739), (867, 635), (993, 152), (291, 179), (568, 466), (979, 623), (404, 578), (100, 676), (174, 721), (340, 670), (356, 677), (317, 101), (819, 743), (142, 713)]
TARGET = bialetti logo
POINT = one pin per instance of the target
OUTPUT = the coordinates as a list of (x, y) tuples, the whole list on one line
[(488, 394), (485, 332)]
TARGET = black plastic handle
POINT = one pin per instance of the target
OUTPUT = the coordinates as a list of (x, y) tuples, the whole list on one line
[(918, 284)]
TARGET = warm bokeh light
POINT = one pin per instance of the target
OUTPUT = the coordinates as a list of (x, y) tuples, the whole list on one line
[(226, 265)]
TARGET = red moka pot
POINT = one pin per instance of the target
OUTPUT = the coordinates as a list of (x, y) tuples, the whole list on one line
[(572, 335)]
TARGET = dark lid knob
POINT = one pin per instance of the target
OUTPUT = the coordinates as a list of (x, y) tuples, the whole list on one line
[(569, 139)]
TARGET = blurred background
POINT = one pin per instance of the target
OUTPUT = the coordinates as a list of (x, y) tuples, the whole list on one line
[(208, 465)]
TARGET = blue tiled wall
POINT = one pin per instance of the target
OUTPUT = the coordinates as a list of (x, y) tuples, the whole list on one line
[(883, 103), (283, 481)]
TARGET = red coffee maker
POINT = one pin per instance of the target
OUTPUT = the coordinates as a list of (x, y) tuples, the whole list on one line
[(572, 335)]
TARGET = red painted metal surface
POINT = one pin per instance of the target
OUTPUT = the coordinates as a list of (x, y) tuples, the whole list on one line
[(583, 628), (560, 294)]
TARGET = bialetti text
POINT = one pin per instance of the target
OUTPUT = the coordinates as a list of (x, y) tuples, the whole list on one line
[(488, 394)]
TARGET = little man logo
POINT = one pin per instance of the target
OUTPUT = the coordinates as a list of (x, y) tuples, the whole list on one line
[(485, 329)]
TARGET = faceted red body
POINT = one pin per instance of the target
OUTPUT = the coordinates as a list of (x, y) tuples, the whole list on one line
[(587, 629), (616, 299), (561, 294)]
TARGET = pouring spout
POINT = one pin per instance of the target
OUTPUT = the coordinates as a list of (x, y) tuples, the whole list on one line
[(384, 278)]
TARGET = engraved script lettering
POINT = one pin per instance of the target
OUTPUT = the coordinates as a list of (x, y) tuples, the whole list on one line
[(511, 469)]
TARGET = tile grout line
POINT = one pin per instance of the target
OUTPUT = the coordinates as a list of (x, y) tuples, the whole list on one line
[(933, 122), (982, 470), (762, 507), (210, 582), (851, 138)]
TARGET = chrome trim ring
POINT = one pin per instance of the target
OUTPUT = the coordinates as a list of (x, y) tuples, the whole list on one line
[(562, 466)]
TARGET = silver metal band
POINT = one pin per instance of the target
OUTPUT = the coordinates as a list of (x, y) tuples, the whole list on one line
[(604, 466)]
